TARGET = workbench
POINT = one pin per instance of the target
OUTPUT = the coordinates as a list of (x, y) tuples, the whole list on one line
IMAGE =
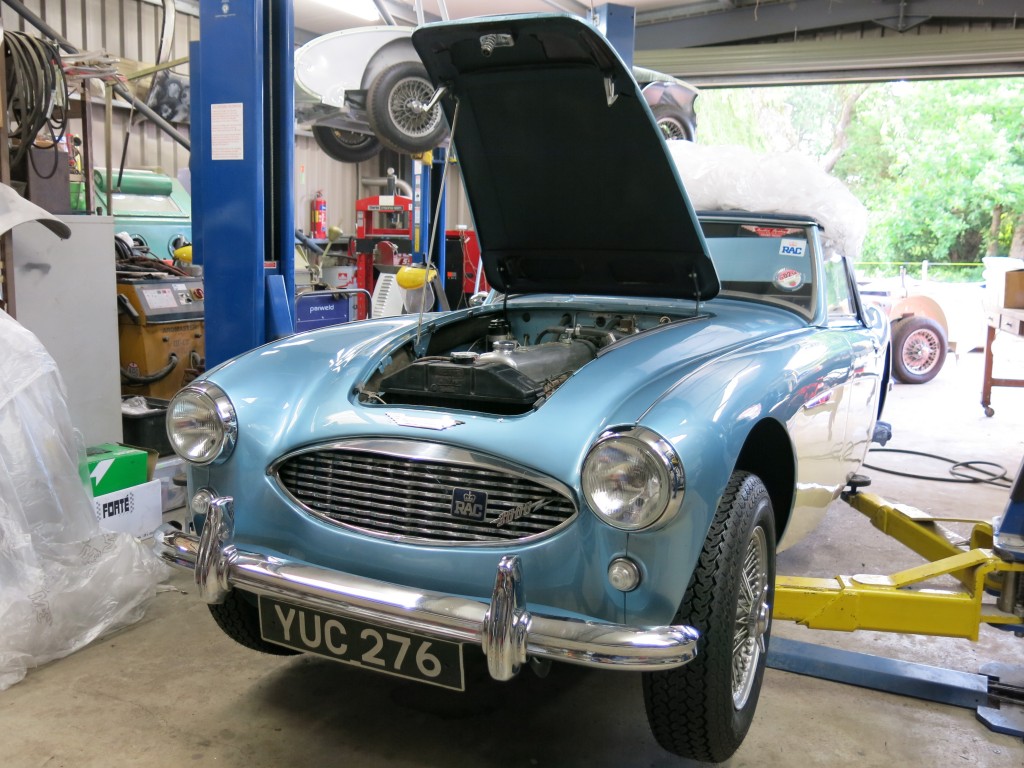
[(1011, 321)]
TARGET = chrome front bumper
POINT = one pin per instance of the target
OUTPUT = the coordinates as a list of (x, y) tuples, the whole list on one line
[(507, 632)]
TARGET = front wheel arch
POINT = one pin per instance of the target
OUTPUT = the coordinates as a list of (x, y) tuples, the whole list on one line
[(768, 453)]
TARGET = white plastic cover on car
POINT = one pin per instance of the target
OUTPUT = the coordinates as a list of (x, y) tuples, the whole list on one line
[(63, 581), (734, 178)]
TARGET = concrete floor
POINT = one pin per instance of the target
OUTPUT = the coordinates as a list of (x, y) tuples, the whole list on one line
[(172, 690)]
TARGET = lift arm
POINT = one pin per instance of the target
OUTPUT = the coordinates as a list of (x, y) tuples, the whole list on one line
[(907, 601)]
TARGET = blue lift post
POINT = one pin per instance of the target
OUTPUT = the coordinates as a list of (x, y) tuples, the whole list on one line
[(618, 24), (241, 164)]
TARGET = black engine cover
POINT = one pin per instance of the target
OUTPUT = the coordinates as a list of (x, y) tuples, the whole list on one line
[(446, 383)]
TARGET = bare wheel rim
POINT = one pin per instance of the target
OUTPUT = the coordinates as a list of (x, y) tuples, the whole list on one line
[(920, 351), (405, 107), (751, 618)]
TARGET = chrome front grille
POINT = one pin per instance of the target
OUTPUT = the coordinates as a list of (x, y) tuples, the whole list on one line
[(424, 492)]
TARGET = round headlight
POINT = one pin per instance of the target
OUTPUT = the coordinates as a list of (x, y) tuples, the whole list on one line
[(201, 424), (633, 479)]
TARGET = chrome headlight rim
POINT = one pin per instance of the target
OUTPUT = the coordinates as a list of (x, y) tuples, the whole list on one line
[(670, 468), (225, 412)]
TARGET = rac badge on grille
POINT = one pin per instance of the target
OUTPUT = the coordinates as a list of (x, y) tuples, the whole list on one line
[(469, 504)]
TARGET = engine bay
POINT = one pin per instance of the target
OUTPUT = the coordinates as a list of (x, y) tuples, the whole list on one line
[(502, 363)]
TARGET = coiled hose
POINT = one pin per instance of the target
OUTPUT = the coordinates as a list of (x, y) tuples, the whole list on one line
[(37, 94)]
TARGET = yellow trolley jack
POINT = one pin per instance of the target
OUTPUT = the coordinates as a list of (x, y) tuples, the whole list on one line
[(989, 567)]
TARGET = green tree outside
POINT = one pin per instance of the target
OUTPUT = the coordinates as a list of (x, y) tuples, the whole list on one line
[(938, 164)]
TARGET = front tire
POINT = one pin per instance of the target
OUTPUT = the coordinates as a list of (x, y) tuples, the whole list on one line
[(239, 618), (703, 710), (919, 349)]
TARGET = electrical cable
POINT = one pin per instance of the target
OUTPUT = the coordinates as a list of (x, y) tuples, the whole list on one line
[(958, 469), (37, 94)]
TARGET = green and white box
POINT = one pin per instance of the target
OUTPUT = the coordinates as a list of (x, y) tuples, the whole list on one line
[(113, 467), (136, 510)]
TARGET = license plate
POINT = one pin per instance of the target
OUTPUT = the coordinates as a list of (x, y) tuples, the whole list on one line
[(391, 651)]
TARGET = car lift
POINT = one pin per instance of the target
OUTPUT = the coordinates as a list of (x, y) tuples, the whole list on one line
[(990, 564)]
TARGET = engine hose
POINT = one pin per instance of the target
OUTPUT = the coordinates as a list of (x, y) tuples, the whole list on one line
[(152, 378)]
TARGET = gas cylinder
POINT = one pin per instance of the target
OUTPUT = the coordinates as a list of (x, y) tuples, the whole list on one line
[(319, 217)]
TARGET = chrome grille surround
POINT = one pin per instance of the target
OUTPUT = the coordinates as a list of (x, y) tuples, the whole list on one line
[(403, 490)]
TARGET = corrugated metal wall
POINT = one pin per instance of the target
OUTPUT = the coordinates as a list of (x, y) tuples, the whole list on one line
[(130, 30)]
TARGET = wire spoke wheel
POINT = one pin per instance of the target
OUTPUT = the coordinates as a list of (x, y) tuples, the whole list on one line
[(921, 351), (395, 109), (703, 709), (345, 146), (406, 107), (672, 129), (751, 619)]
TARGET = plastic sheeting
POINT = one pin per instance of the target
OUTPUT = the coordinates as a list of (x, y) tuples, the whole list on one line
[(733, 178), (63, 581)]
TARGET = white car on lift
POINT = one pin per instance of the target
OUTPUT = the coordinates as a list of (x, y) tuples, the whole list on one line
[(360, 90), (364, 89)]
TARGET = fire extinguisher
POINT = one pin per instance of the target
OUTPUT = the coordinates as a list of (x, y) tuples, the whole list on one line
[(319, 218)]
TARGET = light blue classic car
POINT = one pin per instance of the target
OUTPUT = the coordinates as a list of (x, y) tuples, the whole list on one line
[(595, 467)]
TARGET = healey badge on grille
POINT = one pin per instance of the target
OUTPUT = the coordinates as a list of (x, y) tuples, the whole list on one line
[(469, 504), (520, 510)]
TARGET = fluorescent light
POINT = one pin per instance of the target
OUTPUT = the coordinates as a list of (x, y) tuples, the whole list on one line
[(363, 9)]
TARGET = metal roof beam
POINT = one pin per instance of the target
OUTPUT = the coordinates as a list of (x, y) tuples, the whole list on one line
[(999, 53), (783, 18)]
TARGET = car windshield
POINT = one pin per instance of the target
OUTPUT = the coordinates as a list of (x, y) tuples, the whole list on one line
[(770, 262)]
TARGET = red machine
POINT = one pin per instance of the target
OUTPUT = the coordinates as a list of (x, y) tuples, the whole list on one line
[(384, 239)]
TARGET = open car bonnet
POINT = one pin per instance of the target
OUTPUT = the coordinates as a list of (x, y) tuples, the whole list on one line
[(569, 179)]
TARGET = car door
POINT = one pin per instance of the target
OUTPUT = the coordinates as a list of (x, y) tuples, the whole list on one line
[(846, 315)]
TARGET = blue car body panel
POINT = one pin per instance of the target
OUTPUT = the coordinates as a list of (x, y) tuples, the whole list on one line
[(300, 392)]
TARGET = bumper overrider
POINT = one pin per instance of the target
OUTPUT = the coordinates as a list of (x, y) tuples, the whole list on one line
[(507, 632)]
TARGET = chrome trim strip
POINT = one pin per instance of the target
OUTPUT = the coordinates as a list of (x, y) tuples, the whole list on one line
[(421, 450), (505, 629)]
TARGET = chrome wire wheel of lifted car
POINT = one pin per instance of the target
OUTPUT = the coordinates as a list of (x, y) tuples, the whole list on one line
[(395, 102), (703, 709)]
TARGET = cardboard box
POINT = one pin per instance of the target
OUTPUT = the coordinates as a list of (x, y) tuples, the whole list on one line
[(135, 510), (113, 467), (172, 496), (1006, 289)]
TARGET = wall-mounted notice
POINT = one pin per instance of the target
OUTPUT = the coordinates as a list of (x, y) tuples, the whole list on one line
[(226, 131)]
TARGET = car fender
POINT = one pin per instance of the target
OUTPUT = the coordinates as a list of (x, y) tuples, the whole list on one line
[(331, 65), (919, 305), (710, 426), (394, 52)]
